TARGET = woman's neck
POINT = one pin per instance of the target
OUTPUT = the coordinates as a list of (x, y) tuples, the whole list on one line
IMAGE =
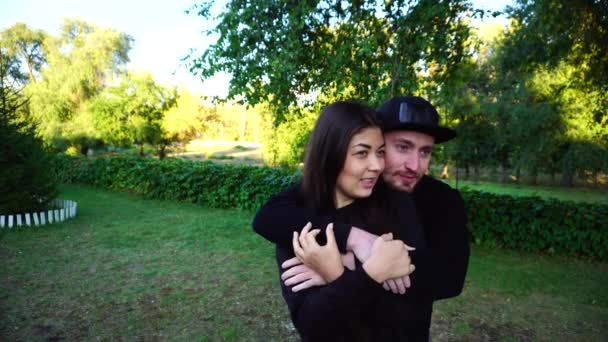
[(342, 201)]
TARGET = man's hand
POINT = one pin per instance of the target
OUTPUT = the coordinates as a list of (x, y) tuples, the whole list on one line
[(303, 277), (401, 284), (389, 259), (397, 285), (325, 260), (360, 243), (300, 275)]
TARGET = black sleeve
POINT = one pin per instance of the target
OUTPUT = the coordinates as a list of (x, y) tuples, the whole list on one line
[(441, 268), (286, 212), (323, 313)]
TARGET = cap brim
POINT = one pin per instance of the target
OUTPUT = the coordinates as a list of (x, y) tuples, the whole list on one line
[(441, 134)]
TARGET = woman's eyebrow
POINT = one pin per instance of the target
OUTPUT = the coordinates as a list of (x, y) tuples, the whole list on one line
[(363, 145)]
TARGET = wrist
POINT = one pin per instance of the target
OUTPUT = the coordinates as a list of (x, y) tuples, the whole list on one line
[(334, 274), (359, 239), (373, 271)]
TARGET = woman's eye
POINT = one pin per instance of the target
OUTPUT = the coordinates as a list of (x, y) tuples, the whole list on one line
[(362, 154), (380, 153)]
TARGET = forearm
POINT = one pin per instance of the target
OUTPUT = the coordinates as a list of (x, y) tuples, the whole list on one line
[(285, 213)]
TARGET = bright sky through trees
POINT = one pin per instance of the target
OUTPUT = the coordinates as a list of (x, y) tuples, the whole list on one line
[(163, 33)]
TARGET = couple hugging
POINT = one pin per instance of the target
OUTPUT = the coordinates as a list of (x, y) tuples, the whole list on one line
[(366, 241)]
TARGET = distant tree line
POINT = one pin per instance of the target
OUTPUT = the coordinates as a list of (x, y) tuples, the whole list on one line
[(531, 97), (77, 93)]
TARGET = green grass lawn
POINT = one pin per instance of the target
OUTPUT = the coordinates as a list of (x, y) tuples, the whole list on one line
[(129, 268)]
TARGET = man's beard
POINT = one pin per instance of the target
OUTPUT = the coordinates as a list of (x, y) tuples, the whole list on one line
[(402, 180)]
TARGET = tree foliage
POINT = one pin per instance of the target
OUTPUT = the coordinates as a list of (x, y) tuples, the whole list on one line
[(80, 63), (25, 183), (280, 52), (27, 45), (133, 113), (550, 86)]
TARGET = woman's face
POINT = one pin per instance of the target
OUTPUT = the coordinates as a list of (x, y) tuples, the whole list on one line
[(363, 165)]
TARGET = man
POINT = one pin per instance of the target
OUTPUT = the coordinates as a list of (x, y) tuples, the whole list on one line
[(411, 129)]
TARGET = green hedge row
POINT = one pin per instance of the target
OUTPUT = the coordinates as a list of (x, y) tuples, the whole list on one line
[(521, 223), (205, 183)]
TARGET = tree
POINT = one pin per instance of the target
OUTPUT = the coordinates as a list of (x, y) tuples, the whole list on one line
[(133, 113), (551, 85), (288, 53), (25, 183), (26, 44), (82, 61), (186, 119)]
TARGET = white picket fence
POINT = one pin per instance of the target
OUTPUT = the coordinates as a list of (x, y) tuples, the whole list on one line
[(66, 210)]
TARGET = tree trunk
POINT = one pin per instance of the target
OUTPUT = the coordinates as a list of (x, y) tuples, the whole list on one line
[(162, 152), (505, 174), (534, 176), (243, 127), (568, 178), (517, 174), (141, 150)]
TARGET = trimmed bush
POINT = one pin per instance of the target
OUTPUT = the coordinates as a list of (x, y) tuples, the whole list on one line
[(205, 183), (522, 223), (537, 224)]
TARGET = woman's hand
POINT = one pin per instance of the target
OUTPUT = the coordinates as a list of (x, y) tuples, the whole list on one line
[(389, 259), (325, 260)]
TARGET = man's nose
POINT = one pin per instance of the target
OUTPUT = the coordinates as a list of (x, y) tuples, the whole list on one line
[(412, 162)]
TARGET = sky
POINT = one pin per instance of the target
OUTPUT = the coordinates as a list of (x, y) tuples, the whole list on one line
[(163, 34)]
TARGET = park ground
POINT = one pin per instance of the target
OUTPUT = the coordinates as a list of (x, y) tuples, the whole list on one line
[(129, 268)]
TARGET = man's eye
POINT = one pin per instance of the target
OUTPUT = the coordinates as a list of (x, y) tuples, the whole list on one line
[(426, 154), (401, 148)]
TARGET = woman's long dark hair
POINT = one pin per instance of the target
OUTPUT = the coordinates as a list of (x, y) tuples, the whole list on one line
[(327, 148)]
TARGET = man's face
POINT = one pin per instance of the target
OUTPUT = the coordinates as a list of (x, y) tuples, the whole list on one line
[(407, 157)]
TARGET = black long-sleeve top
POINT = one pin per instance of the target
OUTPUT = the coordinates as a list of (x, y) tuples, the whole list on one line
[(441, 264), (353, 307)]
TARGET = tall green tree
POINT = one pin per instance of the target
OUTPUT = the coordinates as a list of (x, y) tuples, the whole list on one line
[(27, 45), (25, 183), (288, 52), (133, 112), (551, 86), (80, 63)]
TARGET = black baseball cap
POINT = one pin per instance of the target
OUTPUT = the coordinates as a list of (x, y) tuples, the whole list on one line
[(413, 113)]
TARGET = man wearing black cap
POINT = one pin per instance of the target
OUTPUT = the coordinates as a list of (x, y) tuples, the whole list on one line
[(411, 126)]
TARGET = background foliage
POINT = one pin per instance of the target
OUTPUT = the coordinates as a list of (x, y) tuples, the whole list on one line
[(525, 223), (530, 97), (25, 184)]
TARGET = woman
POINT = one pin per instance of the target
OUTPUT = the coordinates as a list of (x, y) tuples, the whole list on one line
[(343, 164)]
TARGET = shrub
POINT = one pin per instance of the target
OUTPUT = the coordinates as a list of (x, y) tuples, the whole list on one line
[(524, 223), (206, 183), (537, 224)]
